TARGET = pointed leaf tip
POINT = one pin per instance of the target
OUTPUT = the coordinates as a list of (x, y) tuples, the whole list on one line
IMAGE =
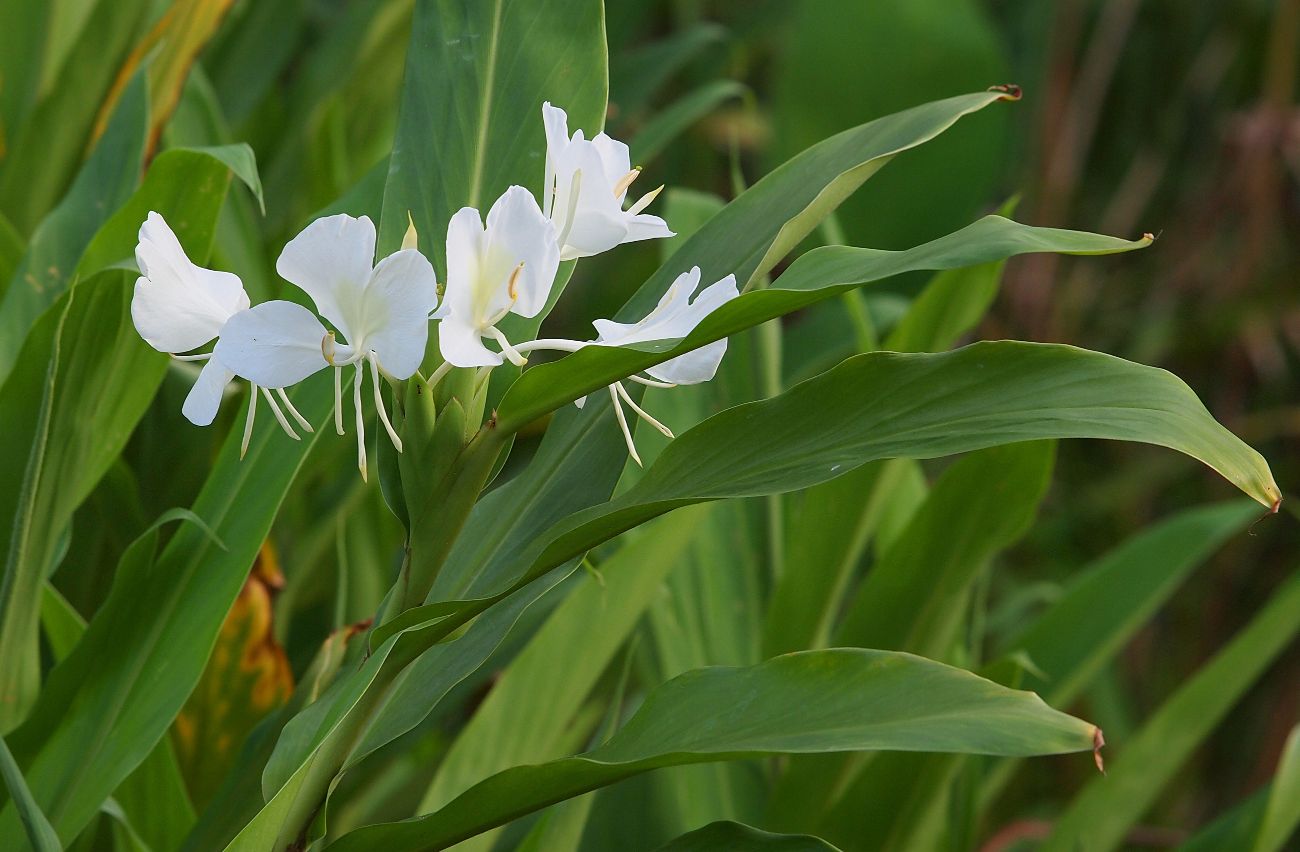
[(1010, 91)]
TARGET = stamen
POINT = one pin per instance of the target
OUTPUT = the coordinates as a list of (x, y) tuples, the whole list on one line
[(248, 421), (626, 181), (641, 412), (651, 383), (558, 344), (361, 423), (506, 349), (338, 400), (279, 415), (327, 348), (573, 209), (379, 403), (512, 287), (297, 415), (622, 424), (203, 357), (644, 201)]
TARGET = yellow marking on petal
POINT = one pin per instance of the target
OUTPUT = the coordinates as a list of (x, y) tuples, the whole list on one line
[(513, 286)]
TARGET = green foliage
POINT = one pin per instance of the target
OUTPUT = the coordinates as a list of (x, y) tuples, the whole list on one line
[(798, 626)]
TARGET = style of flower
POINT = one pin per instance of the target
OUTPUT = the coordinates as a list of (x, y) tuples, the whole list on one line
[(585, 187), (507, 266), (381, 310)]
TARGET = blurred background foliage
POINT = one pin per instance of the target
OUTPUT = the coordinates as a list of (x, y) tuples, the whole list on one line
[(1164, 116)]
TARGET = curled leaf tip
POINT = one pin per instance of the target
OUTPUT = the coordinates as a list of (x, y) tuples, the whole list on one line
[(1010, 91), (1277, 505), (1098, 742)]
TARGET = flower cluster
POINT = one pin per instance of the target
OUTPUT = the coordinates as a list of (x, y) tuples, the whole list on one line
[(380, 313)]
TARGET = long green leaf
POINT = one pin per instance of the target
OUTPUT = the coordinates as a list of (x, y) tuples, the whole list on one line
[(1103, 813), (819, 274), (817, 701), (103, 184), (39, 831), (1282, 814), (106, 706)]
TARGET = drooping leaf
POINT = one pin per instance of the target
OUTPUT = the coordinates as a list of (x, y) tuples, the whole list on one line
[(816, 701), (817, 275), (675, 119), (1102, 814)]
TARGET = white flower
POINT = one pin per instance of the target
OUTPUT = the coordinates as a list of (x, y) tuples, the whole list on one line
[(675, 317), (586, 185), (381, 310), (178, 306), (506, 267)]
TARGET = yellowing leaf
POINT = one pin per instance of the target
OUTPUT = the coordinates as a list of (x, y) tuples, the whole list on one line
[(246, 678)]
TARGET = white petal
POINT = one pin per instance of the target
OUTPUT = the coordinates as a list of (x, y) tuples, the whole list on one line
[(464, 247), (518, 232), (643, 226), (200, 406), (402, 292), (594, 231), (698, 365), (178, 306), (275, 344), (331, 260), (556, 122), (462, 346), (614, 157)]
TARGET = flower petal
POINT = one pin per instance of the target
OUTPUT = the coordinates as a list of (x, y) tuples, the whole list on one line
[(615, 158), (462, 346), (200, 406), (331, 261), (178, 306), (464, 248), (275, 344), (643, 226), (698, 365), (517, 232), (556, 122), (401, 293)]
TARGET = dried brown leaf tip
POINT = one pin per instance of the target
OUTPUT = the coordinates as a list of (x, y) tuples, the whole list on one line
[(1098, 741), (1010, 91)]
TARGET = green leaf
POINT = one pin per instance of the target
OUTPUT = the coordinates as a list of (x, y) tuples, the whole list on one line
[(1102, 814), (1282, 814), (817, 275), (45, 150), (105, 707), (636, 75), (532, 706), (183, 185), (915, 595), (39, 832), (816, 701), (94, 379), (103, 184), (678, 117), (470, 121), (735, 837)]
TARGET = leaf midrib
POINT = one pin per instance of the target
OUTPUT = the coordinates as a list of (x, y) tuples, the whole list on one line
[(489, 81)]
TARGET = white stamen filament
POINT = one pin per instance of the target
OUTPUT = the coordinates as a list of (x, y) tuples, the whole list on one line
[(559, 344), (641, 412), (248, 421), (625, 182), (202, 357), (644, 201), (361, 423), (297, 415), (651, 383), (279, 415), (338, 400), (440, 373), (506, 348), (379, 403), (622, 424)]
